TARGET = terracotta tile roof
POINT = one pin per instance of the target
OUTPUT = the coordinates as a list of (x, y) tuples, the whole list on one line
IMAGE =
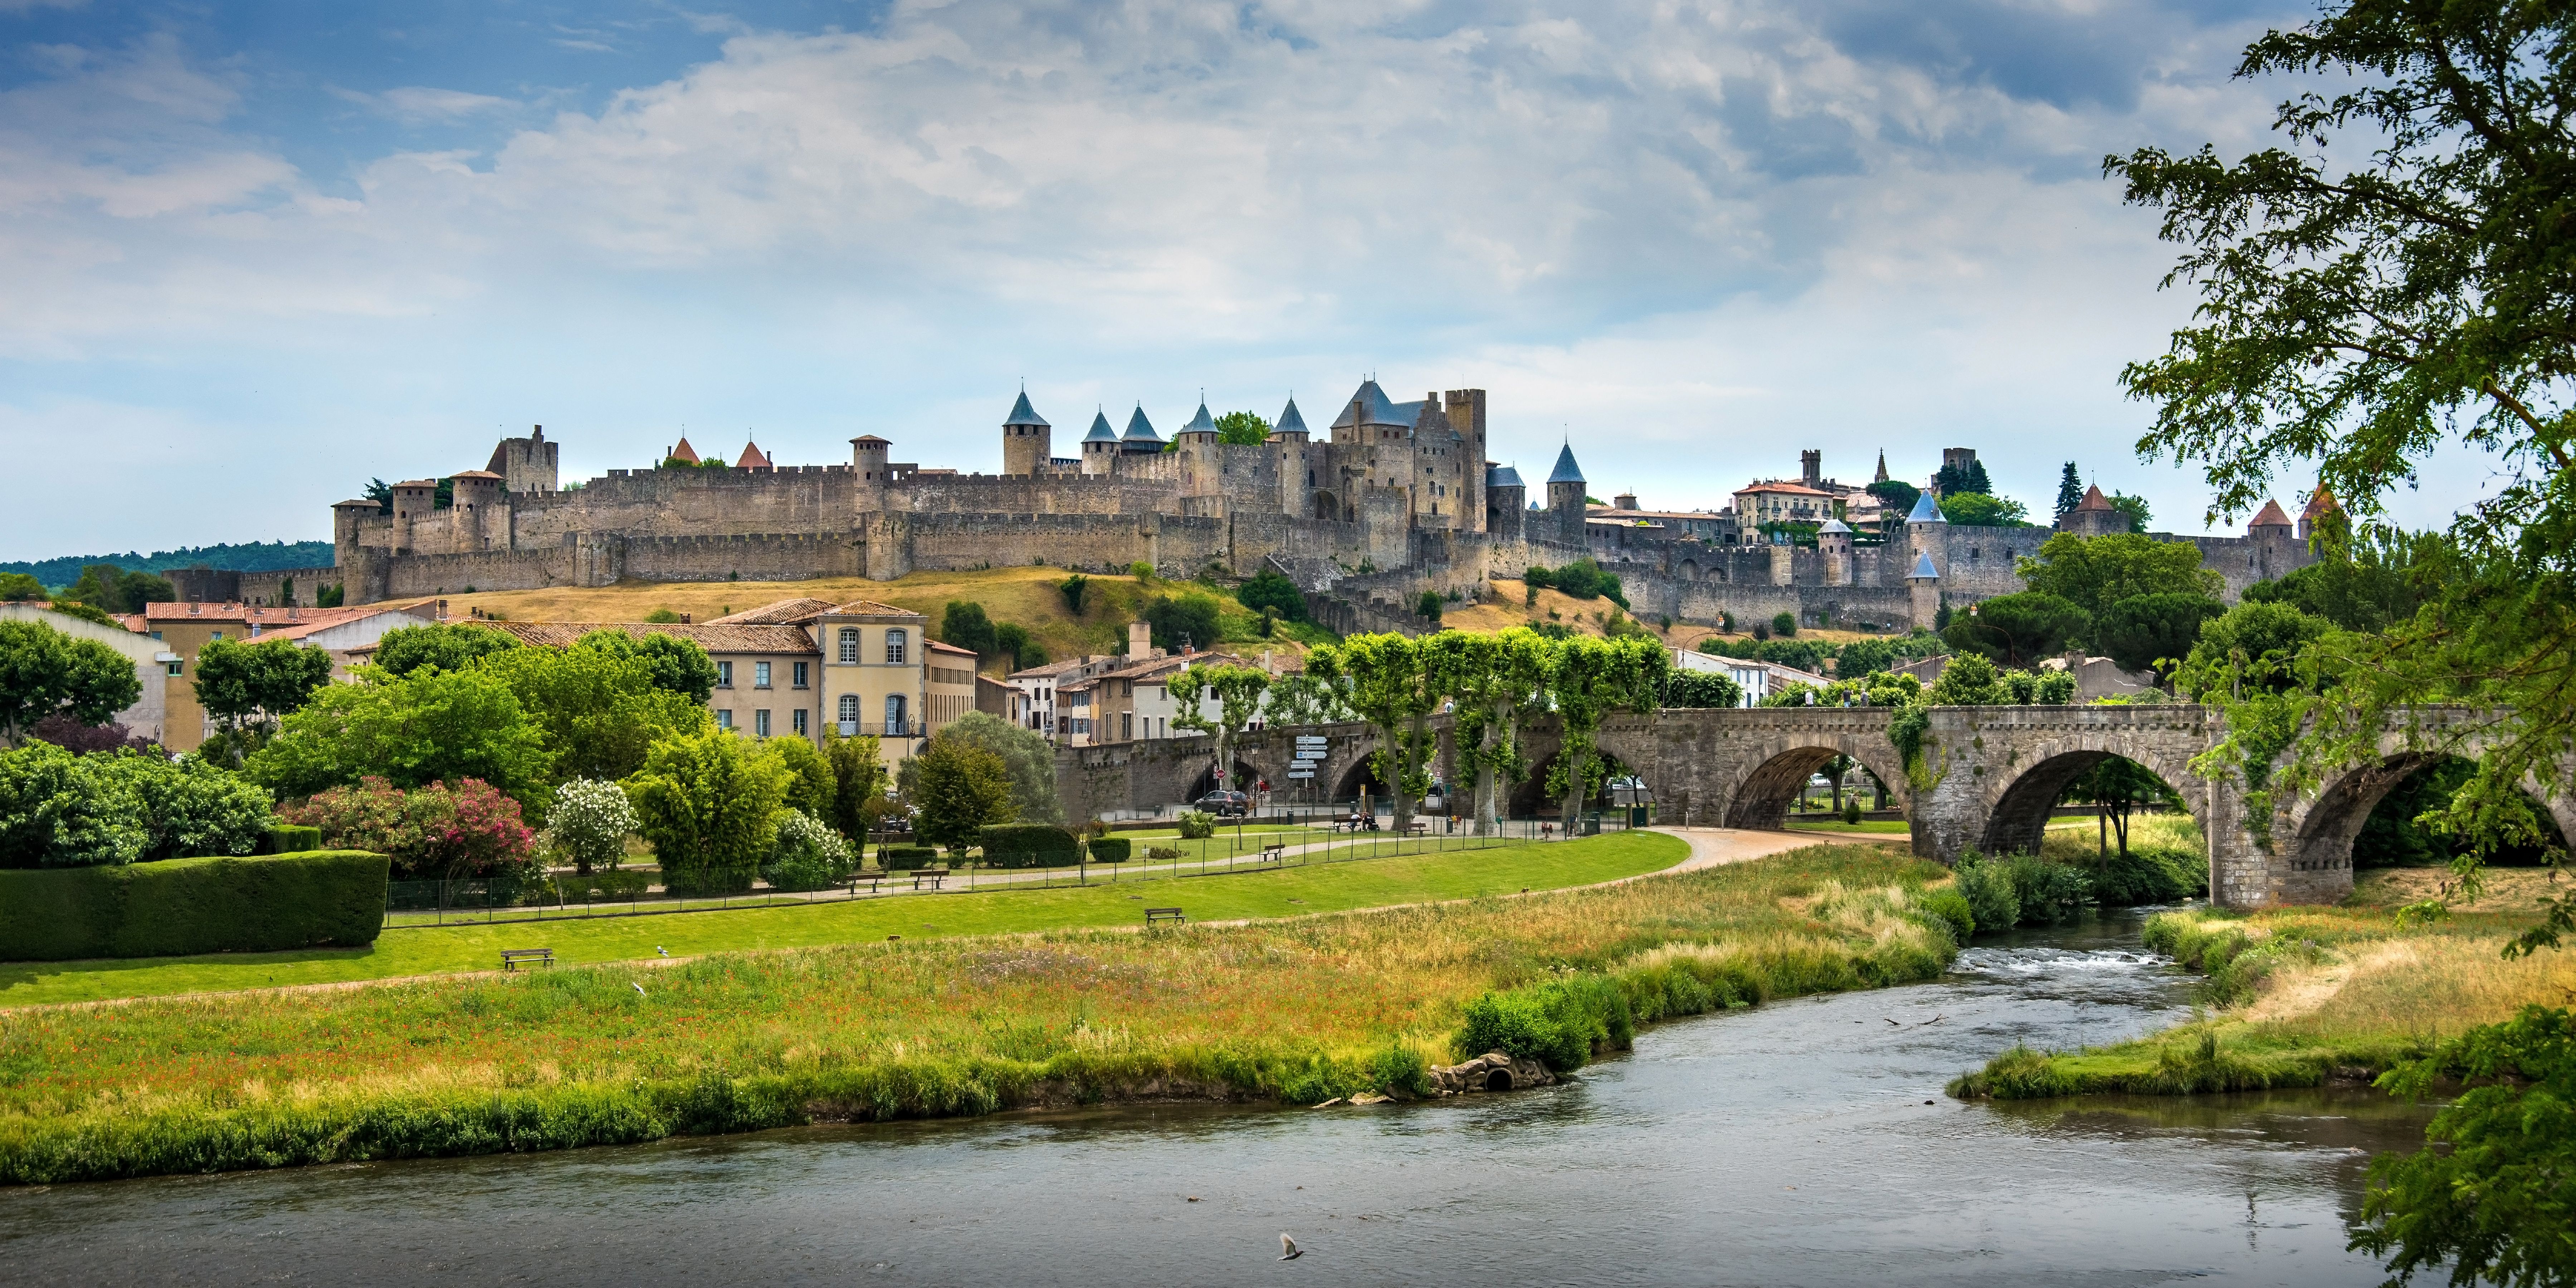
[(752, 457), (2094, 500), (1795, 489), (2321, 503), (871, 608), (2272, 516), (1051, 668), (710, 636), (943, 646), (474, 474), (783, 612), (684, 452)]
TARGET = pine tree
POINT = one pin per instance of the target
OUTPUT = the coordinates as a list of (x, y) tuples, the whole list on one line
[(2070, 491)]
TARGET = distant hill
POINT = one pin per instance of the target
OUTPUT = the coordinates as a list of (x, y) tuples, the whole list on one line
[(252, 556)]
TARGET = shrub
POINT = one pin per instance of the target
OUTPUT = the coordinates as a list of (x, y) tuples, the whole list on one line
[(1163, 853), (1029, 845), (1197, 825), (290, 838), (589, 823), (2047, 891), (1268, 590), (1954, 911), (1428, 605), (1851, 808), (809, 855), (1994, 903), (906, 858), (272, 903), (58, 809), (709, 805), (2148, 874), (1784, 625), (1560, 1022), (429, 833), (1110, 849)]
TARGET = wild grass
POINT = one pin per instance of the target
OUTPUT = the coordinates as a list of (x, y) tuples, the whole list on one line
[(2303, 996), (1294, 1010)]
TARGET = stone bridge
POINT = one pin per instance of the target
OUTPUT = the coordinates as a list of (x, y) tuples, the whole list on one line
[(1986, 780)]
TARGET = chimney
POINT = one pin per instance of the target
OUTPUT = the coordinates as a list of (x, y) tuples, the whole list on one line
[(442, 610), (1140, 641)]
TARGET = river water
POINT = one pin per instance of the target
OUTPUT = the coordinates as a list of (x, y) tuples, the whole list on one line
[(1806, 1142)]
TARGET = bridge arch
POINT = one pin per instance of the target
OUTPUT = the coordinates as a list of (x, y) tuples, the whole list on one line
[(1759, 794), (2322, 828), (2017, 805)]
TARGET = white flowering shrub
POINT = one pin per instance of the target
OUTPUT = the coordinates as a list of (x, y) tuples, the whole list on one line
[(809, 855), (589, 823)]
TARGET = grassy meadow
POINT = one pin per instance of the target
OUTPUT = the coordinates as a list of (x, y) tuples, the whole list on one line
[(1284, 892), (1293, 1010), (2303, 996)]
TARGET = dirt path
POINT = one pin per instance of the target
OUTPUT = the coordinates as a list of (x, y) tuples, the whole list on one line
[(1714, 846)]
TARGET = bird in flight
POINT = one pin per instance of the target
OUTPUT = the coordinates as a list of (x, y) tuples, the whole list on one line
[(1288, 1249), (660, 949), (639, 989)]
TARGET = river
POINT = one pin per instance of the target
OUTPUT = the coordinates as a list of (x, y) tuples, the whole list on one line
[(1805, 1142)]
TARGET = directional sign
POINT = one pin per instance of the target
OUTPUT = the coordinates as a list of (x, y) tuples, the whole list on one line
[(1309, 740), (1301, 773)]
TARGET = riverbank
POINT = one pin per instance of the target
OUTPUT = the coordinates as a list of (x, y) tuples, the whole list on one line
[(1296, 1010), (2301, 997)]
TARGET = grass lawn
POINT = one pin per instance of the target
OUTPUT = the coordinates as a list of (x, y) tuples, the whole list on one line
[(1281, 893), (1290, 1010)]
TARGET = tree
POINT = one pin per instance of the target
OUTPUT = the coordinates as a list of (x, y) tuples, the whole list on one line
[(1897, 496), (44, 672), (1027, 759), (2365, 582), (1390, 684), (2094, 573), (1014, 641), (253, 686), (2133, 506), (1242, 428), (677, 665), (1267, 589), (2139, 632), (1073, 589), (1951, 481), (1983, 510), (58, 809), (589, 823), (1428, 605), (2118, 786), (1968, 681), (2018, 630), (709, 806), (106, 586), (2070, 491), (1588, 680), (430, 726), (19, 588), (858, 781), (1700, 689), (1235, 690), (449, 646), (1183, 619), (1784, 625), (1499, 681), (1303, 698), (808, 782), (600, 711), (964, 624), (2251, 645), (958, 788)]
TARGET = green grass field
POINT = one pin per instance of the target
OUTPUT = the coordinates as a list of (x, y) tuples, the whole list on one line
[(1282, 893)]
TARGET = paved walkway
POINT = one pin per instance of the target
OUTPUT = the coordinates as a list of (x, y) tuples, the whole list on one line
[(1714, 846)]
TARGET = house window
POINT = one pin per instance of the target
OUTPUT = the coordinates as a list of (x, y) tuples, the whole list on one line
[(894, 715), (177, 667), (724, 720), (219, 634), (895, 642), (849, 645), (760, 723), (760, 675), (156, 635), (724, 675), (1126, 726), (850, 714), (796, 721), (800, 673)]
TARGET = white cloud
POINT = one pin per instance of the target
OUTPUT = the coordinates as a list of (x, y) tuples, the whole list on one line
[(422, 103)]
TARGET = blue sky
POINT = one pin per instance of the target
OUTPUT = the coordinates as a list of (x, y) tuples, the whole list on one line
[(253, 255)]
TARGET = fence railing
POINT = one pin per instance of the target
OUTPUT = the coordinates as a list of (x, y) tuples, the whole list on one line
[(1308, 839)]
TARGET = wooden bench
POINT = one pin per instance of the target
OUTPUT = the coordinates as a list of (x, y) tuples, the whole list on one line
[(511, 957), (929, 878), (1155, 916), (1274, 852), (1418, 826)]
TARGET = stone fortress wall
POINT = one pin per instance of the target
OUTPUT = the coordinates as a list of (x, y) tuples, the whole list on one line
[(1396, 499)]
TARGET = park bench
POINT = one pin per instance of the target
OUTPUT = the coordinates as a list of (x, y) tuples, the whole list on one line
[(929, 878), (1418, 826), (1154, 916), (1274, 852), (1356, 824), (511, 957)]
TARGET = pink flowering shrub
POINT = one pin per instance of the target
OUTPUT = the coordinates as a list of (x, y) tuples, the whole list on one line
[(430, 833)]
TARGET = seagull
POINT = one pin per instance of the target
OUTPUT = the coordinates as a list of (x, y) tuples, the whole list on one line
[(1288, 1249), (660, 949), (639, 989)]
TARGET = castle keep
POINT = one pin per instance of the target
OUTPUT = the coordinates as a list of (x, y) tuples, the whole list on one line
[(1394, 499)]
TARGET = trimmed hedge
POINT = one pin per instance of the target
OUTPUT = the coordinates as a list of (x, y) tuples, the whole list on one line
[(1029, 845), (290, 838), (905, 858), (179, 907), (1110, 849)]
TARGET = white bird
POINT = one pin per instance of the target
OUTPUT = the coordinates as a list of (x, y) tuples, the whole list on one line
[(639, 989), (660, 949), (1288, 1249)]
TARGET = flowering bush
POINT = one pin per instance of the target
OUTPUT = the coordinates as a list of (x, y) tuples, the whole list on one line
[(589, 823), (810, 855), (433, 832)]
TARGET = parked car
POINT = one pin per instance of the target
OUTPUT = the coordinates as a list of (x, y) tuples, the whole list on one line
[(1225, 804)]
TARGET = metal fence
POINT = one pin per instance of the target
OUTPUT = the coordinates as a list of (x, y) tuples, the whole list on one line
[(1307, 839)]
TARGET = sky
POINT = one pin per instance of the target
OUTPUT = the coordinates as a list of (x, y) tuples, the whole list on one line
[(253, 255)]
